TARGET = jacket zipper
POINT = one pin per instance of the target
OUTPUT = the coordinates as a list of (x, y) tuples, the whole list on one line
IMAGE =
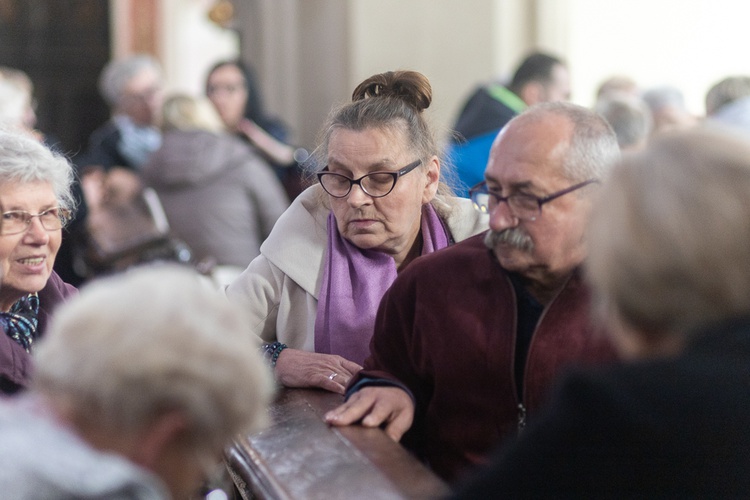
[(521, 422), (521, 417)]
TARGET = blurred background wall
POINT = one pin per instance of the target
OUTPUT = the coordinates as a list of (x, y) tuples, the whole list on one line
[(309, 54)]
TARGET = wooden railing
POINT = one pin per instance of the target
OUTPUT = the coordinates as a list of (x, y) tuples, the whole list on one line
[(300, 457)]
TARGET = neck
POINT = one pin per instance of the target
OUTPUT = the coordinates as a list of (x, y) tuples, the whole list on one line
[(414, 251), (546, 289), (7, 302)]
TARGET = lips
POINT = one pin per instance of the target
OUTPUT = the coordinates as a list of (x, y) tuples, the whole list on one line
[(360, 223)]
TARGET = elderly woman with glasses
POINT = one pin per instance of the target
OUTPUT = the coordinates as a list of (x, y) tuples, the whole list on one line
[(380, 203), (35, 193)]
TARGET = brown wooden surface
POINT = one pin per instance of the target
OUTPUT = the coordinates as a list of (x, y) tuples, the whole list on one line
[(300, 457)]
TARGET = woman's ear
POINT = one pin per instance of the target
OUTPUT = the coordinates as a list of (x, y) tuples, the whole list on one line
[(432, 174)]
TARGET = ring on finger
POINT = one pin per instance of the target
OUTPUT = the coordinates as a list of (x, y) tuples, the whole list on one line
[(332, 376)]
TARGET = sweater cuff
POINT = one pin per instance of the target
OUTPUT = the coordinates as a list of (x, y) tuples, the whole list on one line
[(376, 382)]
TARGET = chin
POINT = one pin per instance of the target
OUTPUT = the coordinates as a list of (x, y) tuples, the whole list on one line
[(512, 259), (33, 285), (365, 241)]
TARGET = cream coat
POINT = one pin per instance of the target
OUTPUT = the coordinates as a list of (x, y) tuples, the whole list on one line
[(279, 289)]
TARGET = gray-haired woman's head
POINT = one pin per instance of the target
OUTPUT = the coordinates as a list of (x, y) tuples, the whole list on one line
[(24, 159), (669, 241)]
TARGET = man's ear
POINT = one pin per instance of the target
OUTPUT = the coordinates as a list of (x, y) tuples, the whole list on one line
[(532, 93), (158, 437), (432, 173)]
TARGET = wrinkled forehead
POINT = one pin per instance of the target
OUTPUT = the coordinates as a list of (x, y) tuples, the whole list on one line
[(530, 148), (390, 138)]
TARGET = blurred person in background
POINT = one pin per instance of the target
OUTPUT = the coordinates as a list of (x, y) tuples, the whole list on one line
[(17, 101), (109, 169), (141, 383), (668, 108), (132, 87), (233, 89), (36, 199), (380, 203), (220, 197), (629, 116), (539, 78), (728, 103), (617, 84), (669, 264)]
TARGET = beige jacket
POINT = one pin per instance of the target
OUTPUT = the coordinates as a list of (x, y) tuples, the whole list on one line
[(279, 289)]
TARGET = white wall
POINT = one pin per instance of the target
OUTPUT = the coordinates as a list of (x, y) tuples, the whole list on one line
[(690, 44), (191, 44), (311, 53), (451, 42)]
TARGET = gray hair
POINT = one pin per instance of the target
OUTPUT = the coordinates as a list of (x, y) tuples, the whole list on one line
[(629, 117), (593, 148), (117, 73), (726, 91), (669, 240), (24, 159), (665, 96), (151, 340)]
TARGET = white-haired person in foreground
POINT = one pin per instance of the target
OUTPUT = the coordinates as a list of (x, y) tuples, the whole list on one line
[(141, 382), (669, 263)]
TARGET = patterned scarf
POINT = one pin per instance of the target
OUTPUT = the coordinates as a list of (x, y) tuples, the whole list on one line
[(21, 322), (354, 281)]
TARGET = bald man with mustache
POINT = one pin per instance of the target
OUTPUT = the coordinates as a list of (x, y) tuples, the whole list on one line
[(469, 341)]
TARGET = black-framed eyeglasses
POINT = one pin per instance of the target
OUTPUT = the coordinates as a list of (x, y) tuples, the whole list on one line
[(18, 221), (522, 206), (374, 184)]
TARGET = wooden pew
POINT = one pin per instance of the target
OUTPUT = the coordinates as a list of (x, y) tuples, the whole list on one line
[(300, 457)]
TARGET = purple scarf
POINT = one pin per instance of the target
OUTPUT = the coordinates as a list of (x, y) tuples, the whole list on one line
[(354, 281)]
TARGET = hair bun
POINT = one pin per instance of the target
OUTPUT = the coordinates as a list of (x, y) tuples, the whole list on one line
[(409, 86)]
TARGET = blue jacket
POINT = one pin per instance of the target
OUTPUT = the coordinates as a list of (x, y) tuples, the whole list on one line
[(486, 112)]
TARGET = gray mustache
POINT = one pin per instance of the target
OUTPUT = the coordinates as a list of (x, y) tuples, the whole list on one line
[(513, 236)]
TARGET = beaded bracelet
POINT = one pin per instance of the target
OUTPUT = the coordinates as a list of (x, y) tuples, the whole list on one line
[(271, 351)]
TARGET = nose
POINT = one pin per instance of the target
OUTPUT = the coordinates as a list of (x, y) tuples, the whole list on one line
[(36, 233), (357, 196), (501, 217)]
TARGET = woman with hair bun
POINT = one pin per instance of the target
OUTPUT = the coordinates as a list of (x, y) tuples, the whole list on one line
[(379, 203)]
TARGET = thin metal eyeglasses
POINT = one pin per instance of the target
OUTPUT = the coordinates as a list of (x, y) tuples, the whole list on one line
[(374, 184), (522, 206), (18, 221)]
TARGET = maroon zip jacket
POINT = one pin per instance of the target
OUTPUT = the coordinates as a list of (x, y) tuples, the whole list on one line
[(447, 329)]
